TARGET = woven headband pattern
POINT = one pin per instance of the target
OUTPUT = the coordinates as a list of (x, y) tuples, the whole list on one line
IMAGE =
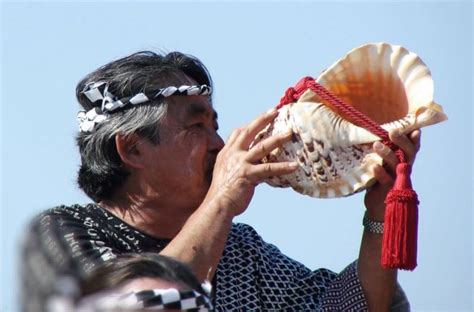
[(98, 92), (154, 299)]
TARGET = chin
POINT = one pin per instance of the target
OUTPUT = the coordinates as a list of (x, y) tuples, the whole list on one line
[(198, 198)]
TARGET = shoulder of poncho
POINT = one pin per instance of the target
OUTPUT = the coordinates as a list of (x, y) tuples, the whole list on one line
[(67, 212), (244, 236), (64, 210), (242, 229)]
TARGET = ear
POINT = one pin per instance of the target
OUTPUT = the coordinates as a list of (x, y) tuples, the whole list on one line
[(129, 151)]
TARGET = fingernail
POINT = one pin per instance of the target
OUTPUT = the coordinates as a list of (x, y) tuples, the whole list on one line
[(293, 165), (396, 133), (271, 111), (378, 146)]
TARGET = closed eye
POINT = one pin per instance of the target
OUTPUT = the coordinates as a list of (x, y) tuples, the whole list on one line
[(198, 125), (201, 125)]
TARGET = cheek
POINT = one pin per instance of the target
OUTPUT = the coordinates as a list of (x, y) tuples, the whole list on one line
[(193, 154), (195, 161), (196, 158)]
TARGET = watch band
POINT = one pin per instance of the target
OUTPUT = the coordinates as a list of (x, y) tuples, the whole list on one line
[(372, 226)]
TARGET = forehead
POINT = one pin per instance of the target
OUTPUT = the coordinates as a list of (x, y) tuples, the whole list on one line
[(189, 107)]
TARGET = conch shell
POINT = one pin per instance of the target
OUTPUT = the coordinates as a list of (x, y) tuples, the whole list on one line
[(388, 83)]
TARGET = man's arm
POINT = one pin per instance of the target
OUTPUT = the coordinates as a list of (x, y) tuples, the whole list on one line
[(379, 284), (237, 172)]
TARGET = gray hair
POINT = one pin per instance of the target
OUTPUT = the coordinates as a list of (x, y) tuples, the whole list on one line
[(102, 170)]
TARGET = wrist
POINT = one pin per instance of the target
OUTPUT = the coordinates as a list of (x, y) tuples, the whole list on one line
[(371, 225), (375, 212), (219, 208), (376, 216)]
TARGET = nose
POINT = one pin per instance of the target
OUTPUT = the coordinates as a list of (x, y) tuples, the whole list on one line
[(216, 143)]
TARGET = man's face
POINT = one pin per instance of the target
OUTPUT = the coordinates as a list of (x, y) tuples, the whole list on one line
[(179, 168)]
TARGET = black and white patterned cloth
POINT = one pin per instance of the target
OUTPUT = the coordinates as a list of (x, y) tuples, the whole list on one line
[(252, 275), (152, 299), (169, 299), (98, 93)]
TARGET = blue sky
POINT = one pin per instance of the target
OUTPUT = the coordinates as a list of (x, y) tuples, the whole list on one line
[(254, 50)]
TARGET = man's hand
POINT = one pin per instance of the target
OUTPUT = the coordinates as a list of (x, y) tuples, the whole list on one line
[(236, 173), (238, 170), (375, 196), (378, 283)]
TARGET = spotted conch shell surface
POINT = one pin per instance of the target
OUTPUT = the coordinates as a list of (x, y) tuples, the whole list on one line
[(388, 83)]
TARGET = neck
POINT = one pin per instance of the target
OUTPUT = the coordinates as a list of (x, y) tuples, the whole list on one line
[(150, 216)]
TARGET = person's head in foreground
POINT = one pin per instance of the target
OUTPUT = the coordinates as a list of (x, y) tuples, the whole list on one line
[(133, 282)]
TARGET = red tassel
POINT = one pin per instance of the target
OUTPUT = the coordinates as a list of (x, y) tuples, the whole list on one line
[(399, 246)]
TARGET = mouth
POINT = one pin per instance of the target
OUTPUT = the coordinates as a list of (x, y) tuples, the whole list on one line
[(210, 170)]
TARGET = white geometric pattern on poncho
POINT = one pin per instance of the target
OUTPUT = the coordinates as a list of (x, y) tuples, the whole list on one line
[(256, 275)]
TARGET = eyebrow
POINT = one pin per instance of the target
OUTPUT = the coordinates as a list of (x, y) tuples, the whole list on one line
[(197, 109)]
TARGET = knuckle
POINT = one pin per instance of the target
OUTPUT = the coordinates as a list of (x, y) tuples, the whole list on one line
[(246, 131), (381, 176), (267, 168), (378, 171), (235, 132), (281, 139), (262, 149), (262, 116), (393, 159), (383, 151), (246, 171)]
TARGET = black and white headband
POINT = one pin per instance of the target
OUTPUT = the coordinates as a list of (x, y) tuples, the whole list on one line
[(98, 91), (153, 299)]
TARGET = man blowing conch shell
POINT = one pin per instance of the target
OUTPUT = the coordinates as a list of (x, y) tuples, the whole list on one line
[(162, 180)]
